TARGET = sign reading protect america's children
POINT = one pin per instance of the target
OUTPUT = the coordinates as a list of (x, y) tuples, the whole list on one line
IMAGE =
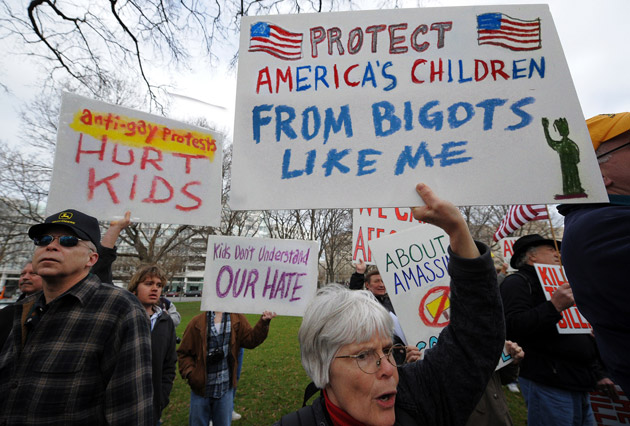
[(252, 275), (111, 159), (352, 109)]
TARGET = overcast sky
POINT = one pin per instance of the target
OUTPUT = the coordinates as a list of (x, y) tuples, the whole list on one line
[(594, 35)]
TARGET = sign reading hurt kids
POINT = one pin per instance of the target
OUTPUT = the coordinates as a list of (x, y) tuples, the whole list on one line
[(413, 264), (551, 277), (363, 105), (252, 275), (110, 159)]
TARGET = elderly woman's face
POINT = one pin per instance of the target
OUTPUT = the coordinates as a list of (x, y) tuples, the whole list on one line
[(368, 398)]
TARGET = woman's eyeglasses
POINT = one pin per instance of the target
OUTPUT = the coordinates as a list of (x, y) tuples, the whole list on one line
[(64, 240), (369, 361)]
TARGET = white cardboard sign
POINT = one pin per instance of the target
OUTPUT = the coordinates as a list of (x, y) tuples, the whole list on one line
[(413, 264), (110, 159), (551, 277), (252, 275), (370, 224), (361, 106)]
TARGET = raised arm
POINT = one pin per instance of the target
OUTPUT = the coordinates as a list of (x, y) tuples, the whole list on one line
[(115, 228), (107, 250), (445, 215)]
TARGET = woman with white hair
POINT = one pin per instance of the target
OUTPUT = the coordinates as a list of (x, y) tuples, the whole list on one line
[(346, 345)]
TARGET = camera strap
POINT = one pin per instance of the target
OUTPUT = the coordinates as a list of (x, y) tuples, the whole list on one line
[(210, 321)]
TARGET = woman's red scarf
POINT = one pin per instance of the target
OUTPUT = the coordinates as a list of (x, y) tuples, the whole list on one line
[(338, 416)]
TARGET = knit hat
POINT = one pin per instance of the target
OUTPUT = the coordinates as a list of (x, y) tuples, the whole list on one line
[(606, 126)]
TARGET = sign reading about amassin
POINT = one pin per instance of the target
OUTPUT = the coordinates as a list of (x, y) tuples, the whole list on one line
[(551, 277), (252, 275), (110, 159), (413, 264), (352, 109)]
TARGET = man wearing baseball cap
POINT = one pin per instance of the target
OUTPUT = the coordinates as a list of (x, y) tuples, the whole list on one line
[(79, 352), (596, 247), (559, 370)]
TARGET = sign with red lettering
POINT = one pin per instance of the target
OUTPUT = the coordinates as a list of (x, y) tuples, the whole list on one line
[(362, 105), (609, 412), (110, 159), (506, 250), (551, 277), (370, 224), (252, 275)]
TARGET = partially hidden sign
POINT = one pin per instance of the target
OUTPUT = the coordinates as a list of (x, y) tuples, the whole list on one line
[(370, 224), (551, 277), (110, 159), (507, 250), (352, 109), (252, 275), (413, 264), (609, 412)]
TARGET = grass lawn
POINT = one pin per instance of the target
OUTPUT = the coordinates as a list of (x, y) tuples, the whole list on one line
[(272, 379)]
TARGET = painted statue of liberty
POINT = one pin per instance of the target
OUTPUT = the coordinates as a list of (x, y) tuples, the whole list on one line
[(569, 158)]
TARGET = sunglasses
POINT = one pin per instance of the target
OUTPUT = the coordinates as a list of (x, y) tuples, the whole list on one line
[(64, 240)]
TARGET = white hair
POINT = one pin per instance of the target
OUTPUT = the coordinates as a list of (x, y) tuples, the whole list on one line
[(335, 318)]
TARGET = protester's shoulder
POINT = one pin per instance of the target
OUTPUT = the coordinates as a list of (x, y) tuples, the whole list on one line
[(594, 212), (310, 415), (515, 280), (465, 267), (240, 318), (28, 300), (164, 325), (197, 319), (166, 319), (113, 296)]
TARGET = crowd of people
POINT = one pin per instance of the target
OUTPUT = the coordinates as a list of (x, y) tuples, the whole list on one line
[(77, 350)]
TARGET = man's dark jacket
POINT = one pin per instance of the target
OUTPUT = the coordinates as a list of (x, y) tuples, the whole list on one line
[(564, 361)]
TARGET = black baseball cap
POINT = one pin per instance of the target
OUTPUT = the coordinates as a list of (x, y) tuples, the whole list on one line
[(84, 226), (522, 244)]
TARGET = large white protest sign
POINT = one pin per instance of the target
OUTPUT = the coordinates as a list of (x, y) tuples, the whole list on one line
[(252, 275), (370, 224), (551, 277), (110, 159), (413, 265), (352, 109)]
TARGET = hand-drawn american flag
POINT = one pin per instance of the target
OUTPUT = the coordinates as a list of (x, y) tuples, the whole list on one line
[(276, 41), (518, 216), (512, 33)]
